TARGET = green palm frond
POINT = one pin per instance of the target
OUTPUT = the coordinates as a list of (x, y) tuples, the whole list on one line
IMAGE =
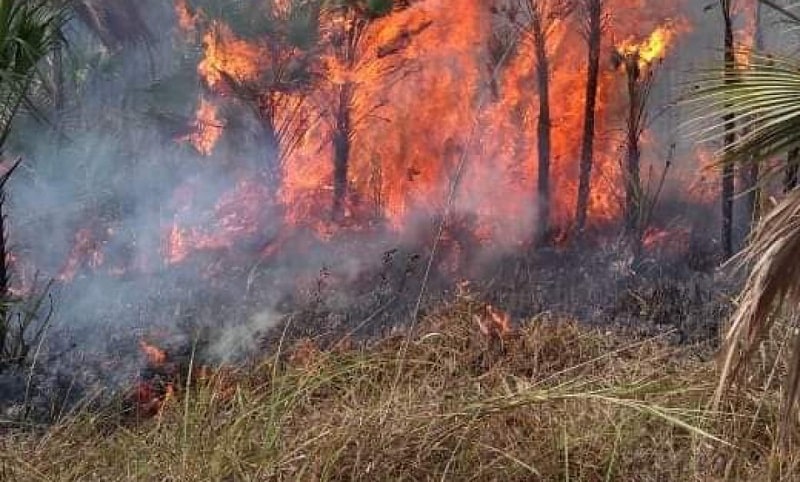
[(29, 31), (763, 100)]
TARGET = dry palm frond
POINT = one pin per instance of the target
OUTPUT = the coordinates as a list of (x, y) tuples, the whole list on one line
[(774, 280)]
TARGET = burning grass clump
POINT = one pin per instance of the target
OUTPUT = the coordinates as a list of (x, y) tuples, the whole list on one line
[(461, 396)]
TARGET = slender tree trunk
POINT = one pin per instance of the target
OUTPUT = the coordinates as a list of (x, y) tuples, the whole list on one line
[(543, 130), (792, 170), (341, 152), (750, 173), (728, 171), (594, 39), (5, 276), (5, 270), (633, 151), (753, 195)]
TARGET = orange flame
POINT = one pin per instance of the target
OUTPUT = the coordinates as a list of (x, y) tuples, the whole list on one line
[(187, 21), (226, 55), (155, 355), (495, 323), (85, 252), (416, 131), (208, 128), (651, 49)]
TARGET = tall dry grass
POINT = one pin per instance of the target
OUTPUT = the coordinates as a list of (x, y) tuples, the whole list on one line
[(550, 401)]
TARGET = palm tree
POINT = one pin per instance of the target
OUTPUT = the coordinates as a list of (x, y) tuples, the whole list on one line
[(29, 31), (347, 24), (763, 101)]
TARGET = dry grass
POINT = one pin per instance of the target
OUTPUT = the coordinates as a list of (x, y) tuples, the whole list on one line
[(552, 401)]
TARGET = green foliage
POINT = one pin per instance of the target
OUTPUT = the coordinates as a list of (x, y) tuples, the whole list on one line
[(379, 8), (22, 326), (764, 101), (302, 25), (29, 30), (369, 8), (297, 25)]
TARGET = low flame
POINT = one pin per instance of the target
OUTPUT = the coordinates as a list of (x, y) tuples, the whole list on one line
[(155, 356), (495, 323), (86, 251)]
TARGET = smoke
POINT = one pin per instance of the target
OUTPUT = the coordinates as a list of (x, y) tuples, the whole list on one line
[(245, 337), (114, 190)]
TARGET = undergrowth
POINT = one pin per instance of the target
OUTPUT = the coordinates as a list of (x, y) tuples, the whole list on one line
[(552, 400)]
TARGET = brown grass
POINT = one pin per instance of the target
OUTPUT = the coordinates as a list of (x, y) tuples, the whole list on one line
[(552, 401)]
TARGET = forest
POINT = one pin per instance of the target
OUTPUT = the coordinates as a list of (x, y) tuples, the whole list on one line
[(399, 240)]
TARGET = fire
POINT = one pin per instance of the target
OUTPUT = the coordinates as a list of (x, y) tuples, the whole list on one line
[(226, 55), (208, 128), (239, 213), (155, 355), (495, 323), (651, 49), (452, 110), (673, 239), (86, 251), (187, 21), (156, 386), (745, 18)]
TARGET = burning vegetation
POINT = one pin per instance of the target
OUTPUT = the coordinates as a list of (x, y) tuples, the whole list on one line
[(260, 192)]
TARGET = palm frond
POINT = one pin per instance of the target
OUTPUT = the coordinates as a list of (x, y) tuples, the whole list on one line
[(29, 31), (762, 100), (773, 281)]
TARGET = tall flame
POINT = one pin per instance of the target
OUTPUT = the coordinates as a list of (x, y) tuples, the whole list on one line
[(454, 106)]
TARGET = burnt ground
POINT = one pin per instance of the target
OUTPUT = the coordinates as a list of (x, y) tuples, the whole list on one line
[(358, 291)]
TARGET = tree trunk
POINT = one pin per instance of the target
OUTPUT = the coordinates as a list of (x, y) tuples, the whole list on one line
[(633, 152), (792, 170), (750, 174), (730, 137), (5, 276), (341, 152), (595, 12), (543, 130), (5, 271)]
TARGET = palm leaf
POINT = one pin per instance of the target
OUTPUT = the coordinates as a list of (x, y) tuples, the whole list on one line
[(763, 100), (29, 31)]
